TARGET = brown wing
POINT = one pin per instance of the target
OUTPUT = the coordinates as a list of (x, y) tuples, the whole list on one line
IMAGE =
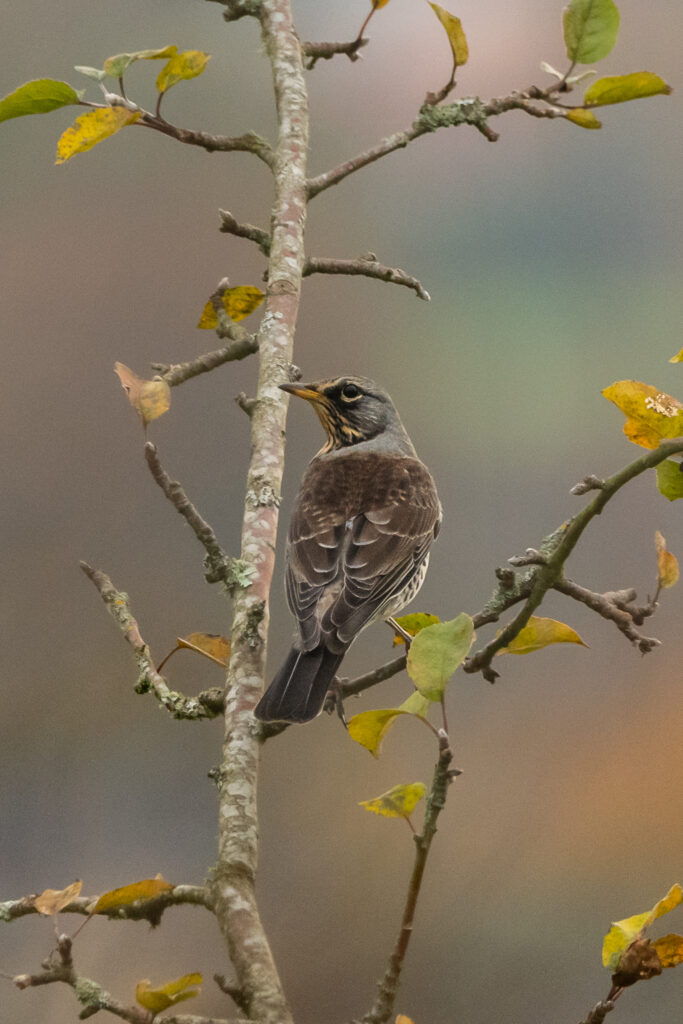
[(361, 529)]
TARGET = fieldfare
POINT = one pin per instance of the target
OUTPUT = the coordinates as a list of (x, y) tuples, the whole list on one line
[(358, 546)]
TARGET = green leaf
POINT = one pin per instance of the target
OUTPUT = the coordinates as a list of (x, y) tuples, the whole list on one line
[(416, 705), (398, 802), (91, 128), (436, 652), (182, 66), (95, 73), (116, 65), (670, 479), (590, 29), (622, 88), (38, 97), (584, 118)]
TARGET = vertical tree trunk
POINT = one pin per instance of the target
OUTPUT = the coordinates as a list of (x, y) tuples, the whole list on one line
[(238, 826)]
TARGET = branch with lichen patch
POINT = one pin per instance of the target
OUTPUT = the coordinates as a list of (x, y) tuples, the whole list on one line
[(547, 570), (365, 266), (179, 706), (220, 567), (149, 910)]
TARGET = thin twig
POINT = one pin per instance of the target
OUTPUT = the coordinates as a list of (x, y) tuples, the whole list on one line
[(599, 1012), (605, 605), (242, 344), (219, 566), (231, 226), (250, 142), (326, 51), (366, 267), (118, 604), (383, 1005)]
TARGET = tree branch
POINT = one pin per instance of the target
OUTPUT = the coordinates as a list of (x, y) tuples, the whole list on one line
[(383, 1005), (366, 266), (234, 874), (140, 910), (242, 344), (232, 227), (175, 703), (219, 567), (471, 110), (611, 606), (326, 51), (556, 549), (247, 143)]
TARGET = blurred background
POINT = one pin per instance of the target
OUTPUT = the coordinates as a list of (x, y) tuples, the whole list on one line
[(553, 263)]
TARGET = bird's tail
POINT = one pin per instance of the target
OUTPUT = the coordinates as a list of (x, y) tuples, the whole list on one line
[(297, 693)]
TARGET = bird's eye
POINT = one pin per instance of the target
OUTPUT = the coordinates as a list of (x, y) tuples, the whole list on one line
[(350, 391)]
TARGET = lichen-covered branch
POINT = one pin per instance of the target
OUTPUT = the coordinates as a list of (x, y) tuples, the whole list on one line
[(234, 874), (149, 910), (548, 563), (219, 566), (242, 344), (176, 704), (470, 110), (365, 266)]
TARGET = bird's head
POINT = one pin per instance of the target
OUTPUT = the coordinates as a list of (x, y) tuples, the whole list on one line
[(351, 409)]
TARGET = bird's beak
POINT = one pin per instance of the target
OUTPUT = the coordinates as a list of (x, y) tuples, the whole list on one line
[(306, 391)]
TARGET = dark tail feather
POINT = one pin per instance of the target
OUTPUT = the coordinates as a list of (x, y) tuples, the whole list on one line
[(298, 691)]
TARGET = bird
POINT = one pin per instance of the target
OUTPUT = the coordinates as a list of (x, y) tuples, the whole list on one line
[(357, 551)]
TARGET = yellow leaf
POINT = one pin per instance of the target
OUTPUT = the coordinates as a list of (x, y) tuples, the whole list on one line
[(622, 88), (669, 950), (51, 901), (91, 128), (402, 1019), (127, 894), (239, 303), (667, 564), (398, 802), (623, 933), (181, 66), (370, 727), (211, 645), (413, 623), (678, 358), (151, 398), (160, 998), (539, 633), (376, 4), (651, 415), (583, 118), (455, 33)]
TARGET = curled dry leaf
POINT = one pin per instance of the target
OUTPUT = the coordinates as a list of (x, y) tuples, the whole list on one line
[(151, 398), (667, 563), (454, 31), (51, 901)]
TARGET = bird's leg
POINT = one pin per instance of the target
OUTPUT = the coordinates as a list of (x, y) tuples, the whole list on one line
[(400, 631), (334, 696)]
